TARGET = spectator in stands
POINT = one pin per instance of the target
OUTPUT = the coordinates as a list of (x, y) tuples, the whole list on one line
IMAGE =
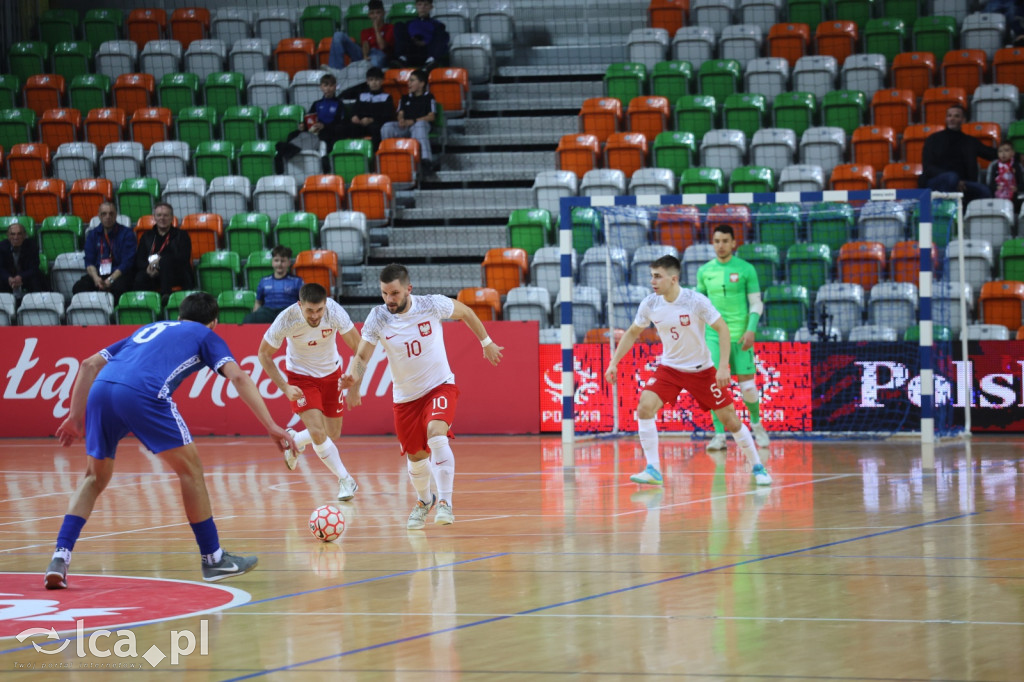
[(1006, 176), (163, 260), (372, 109), (423, 41), (19, 263), (416, 112), (323, 123), (109, 255), (275, 292), (950, 158), (375, 43)]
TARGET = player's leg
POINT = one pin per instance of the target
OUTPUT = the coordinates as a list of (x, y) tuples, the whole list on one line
[(647, 430), (718, 441), (319, 429), (97, 476), (412, 438), (439, 415), (752, 399), (741, 434)]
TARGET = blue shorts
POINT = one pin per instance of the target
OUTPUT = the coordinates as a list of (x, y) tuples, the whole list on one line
[(115, 410)]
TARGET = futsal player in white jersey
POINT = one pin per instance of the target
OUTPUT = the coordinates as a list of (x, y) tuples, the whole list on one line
[(680, 316), (312, 380), (424, 391)]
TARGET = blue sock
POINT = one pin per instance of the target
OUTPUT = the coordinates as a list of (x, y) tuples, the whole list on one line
[(206, 537), (69, 531)]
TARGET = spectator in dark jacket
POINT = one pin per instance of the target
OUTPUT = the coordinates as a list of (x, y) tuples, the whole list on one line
[(323, 123), (19, 263), (950, 158), (163, 260), (372, 109), (109, 255), (416, 113), (375, 43), (422, 41)]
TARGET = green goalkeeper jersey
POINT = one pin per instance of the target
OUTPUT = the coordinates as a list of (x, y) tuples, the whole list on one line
[(727, 285)]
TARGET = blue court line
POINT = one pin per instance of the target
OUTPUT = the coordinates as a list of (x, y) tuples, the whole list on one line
[(579, 600)]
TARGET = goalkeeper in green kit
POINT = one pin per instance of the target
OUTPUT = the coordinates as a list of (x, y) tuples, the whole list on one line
[(731, 284)]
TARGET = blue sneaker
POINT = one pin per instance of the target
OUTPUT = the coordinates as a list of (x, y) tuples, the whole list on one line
[(649, 476), (761, 475)]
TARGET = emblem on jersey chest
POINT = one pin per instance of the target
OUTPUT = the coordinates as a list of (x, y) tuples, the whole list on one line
[(684, 320), (734, 277), (424, 328), (324, 333)]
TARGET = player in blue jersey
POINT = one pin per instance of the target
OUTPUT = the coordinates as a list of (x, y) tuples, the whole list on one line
[(127, 387), (277, 291)]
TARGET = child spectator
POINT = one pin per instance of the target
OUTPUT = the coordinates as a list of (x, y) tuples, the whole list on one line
[(372, 109), (1006, 176), (276, 292), (416, 111), (375, 43), (323, 123)]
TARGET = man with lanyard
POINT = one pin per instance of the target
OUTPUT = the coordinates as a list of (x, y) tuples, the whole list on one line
[(164, 257), (109, 255)]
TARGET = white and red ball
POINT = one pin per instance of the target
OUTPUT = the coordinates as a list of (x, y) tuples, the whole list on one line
[(326, 523)]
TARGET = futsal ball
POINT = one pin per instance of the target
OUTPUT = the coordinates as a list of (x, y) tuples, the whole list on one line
[(326, 523)]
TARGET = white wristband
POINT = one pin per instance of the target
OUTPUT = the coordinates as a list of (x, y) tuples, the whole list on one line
[(486, 341)]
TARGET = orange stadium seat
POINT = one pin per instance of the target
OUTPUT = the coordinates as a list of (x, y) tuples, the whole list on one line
[(44, 198), (789, 41), (893, 108), (399, 159), (133, 91), (988, 133), (58, 126), (323, 51), (149, 125), (1002, 302), (190, 23), (323, 194), (44, 91), (736, 216), (964, 69), (901, 175), (450, 87), (371, 195), (670, 15), (837, 39), (852, 176), (626, 152), (601, 116), (648, 115), (678, 226), (10, 199), (874, 146), (86, 195), (505, 269), (906, 261), (27, 162), (146, 24), (914, 71), (318, 266), (913, 141), (578, 153), (146, 223), (936, 101), (862, 263), (396, 83), (206, 231), (602, 335), (1008, 66), (293, 55), (1020, 334), (103, 126), (485, 302)]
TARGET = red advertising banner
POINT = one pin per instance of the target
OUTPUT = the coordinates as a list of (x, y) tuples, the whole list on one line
[(784, 378), (39, 365)]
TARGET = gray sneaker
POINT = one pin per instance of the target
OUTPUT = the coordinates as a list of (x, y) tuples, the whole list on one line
[(291, 457), (56, 577), (760, 435), (444, 515), (229, 566), (418, 516), (347, 488), (718, 442)]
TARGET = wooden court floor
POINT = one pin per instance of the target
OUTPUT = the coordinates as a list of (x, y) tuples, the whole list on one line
[(855, 565)]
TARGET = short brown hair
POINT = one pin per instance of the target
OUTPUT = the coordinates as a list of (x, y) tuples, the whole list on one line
[(395, 271), (312, 293), (281, 250)]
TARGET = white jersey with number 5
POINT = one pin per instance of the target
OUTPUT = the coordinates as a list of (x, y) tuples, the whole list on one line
[(414, 343), (312, 351), (680, 325)]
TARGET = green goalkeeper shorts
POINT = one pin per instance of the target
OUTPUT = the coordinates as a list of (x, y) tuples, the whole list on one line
[(740, 361)]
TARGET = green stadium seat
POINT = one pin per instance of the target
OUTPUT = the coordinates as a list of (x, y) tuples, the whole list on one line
[(178, 91), (936, 35), (696, 114), (674, 150), (138, 308), (196, 125), (702, 181), (16, 127), (282, 120), (258, 265), (350, 158), (752, 179), (10, 90), (58, 26), (625, 80), (235, 305), (885, 36), (795, 110), (174, 303), (857, 11), (764, 258), (769, 334), (672, 80), (401, 11), (101, 25), (60, 234), (297, 230), (844, 109), (719, 78), (1015, 134), (71, 59), (218, 271), (830, 223), (943, 221), (213, 159), (89, 91), (29, 58), (1011, 260), (136, 196), (26, 221), (248, 232), (256, 159), (745, 112), (319, 21), (809, 265), (586, 229), (223, 90), (530, 229), (810, 12), (786, 307), (778, 224), (906, 10), (939, 333), (356, 19), (242, 124)]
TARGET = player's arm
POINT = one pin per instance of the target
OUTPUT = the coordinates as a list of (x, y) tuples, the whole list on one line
[(628, 339), (722, 375), (250, 395), (492, 351), (74, 425), (357, 369), (266, 356), (754, 309), (352, 339)]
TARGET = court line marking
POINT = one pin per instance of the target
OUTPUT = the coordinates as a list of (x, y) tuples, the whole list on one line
[(622, 590), (107, 535)]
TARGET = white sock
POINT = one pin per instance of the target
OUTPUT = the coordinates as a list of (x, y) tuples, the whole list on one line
[(746, 443), (328, 453), (302, 439), (648, 430), (442, 464), (62, 553), (419, 474), (211, 559)]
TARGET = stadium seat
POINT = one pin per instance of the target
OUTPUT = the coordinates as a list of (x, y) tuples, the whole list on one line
[(752, 179), (345, 233), (275, 196), (696, 114), (206, 231), (744, 112), (550, 186), (913, 140), (895, 109), (830, 223), (247, 232), (174, 305), (778, 225), (736, 216), (978, 262), (674, 151), (528, 303), (1008, 66), (318, 266), (214, 159), (702, 181), (396, 84), (893, 304), (473, 52), (86, 195), (256, 159), (58, 26), (816, 74), (629, 229), (324, 194), (905, 262), (678, 227), (496, 19), (189, 24), (44, 91), (935, 34), (719, 78), (10, 200), (624, 81), (852, 177), (864, 72), (694, 45), (399, 159), (16, 126), (115, 58), (223, 90), (603, 181), (44, 198), (795, 110), (151, 125), (648, 115), (60, 234), (840, 305), (160, 57), (60, 126), (267, 89), (136, 196), (940, 333), (768, 76), (185, 194), (133, 91), (250, 56), (529, 229), (137, 308), (988, 133), (802, 177), (862, 263), (1011, 260), (789, 41), (450, 87), (65, 271), (293, 55), (372, 196), (234, 305), (983, 31), (600, 116), (27, 162), (1002, 302), (594, 271), (284, 119), (177, 91), (874, 333), (10, 89), (626, 152), (242, 124), (578, 153), (504, 269), (786, 307), (653, 181), (671, 79), (760, 12), (987, 332), (145, 24), (936, 101), (901, 176), (196, 125), (723, 149), (765, 260), (28, 58), (990, 220), (167, 160), (277, 23), (874, 146), (809, 265), (639, 264), (257, 266), (773, 148), (90, 308), (104, 126), (41, 309), (996, 103), (485, 302), (885, 36), (837, 39), (75, 161), (218, 271), (741, 42), (101, 25), (914, 71), (205, 58), (964, 69)]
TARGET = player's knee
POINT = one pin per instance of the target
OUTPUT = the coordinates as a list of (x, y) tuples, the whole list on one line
[(748, 389), (730, 421)]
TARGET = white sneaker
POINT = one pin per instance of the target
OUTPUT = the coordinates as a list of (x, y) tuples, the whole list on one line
[(347, 488), (760, 435), (761, 475), (718, 442), (444, 516), (291, 457), (418, 517)]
